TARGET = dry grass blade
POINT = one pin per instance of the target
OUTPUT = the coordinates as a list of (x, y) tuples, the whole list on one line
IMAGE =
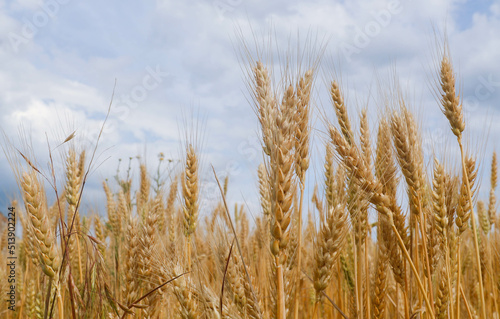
[(329, 299), (135, 304), (234, 233), (224, 278)]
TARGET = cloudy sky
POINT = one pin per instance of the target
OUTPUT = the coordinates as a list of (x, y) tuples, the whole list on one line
[(179, 62)]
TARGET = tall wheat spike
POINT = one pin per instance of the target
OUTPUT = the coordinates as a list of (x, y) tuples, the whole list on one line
[(302, 128), (190, 193), (452, 109)]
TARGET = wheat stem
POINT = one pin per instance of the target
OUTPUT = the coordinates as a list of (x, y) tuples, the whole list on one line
[(415, 271)]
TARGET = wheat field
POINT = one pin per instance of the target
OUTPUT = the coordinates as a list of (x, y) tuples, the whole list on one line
[(384, 235)]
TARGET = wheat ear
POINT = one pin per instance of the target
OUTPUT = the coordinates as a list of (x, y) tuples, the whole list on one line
[(328, 244), (190, 193), (302, 129), (282, 188), (452, 109), (43, 233), (382, 202)]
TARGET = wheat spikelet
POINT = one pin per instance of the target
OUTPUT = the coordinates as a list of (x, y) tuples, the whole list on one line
[(29, 241), (484, 220), (434, 244), (355, 165), (190, 191), (450, 102), (443, 294), (113, 214), (170, 209), (329, 177), (365, 139), (266, 105), (142, 196), (81, 165), (252, 301), (385, 204), (131, 267), (44, 237), (160, 203), (385, 169), (99, 232), (347, 264), (148, 242), (265, 196), (439, 200), (33, 302), (182, 290), (452, 188), (464, 205), (302, 128), (341, 111), (281, 176), (301, 118), (410, 165), (327, 248), (415, 146), (72, 189), (394, 253), (235, 283)]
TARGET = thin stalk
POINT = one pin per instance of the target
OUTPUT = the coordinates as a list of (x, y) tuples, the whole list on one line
[(421, 221), (459, 288), (281, 313), (226, 209), (466, 304), (339, 286), (359, 280), (448, 273), (47, 299), (60, 303), (415, 272), (491, 281), (299, 256), (407, 304), (315, 310), (189, 253), (368, 300), (415, 253), (397, 299)]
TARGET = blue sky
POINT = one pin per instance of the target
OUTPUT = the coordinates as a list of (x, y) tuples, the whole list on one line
[(60, 59)]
